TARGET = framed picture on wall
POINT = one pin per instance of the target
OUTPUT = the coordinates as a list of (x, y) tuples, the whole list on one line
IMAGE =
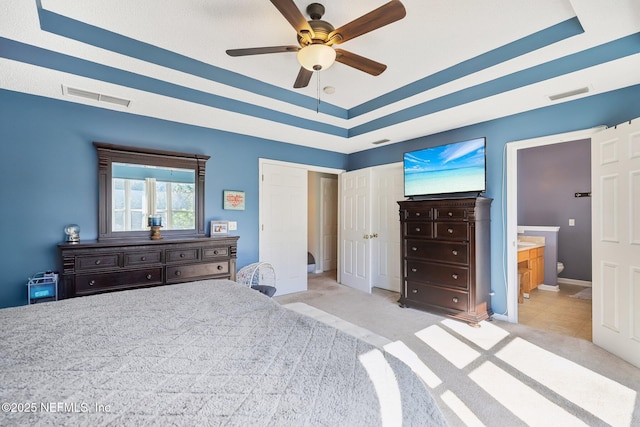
[(233, 200), (219, 228)]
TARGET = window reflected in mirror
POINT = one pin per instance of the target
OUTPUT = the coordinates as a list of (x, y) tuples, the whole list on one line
[(140, 187), (140, 191)]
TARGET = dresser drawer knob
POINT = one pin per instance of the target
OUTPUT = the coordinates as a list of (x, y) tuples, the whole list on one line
[(418, 229), (450, 230), (144, 258), (149, 277), (450, 213), (414, 270), (417, 213), (455, 299), (455, 276), (454, 252), (182, 255), (178, 273), (414, 248), (215, 252), (415, 291), (220, 267), (98, 262), (92, 282)]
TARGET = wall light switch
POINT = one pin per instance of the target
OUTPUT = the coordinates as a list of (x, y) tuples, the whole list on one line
[(233, 225), (572, 222)]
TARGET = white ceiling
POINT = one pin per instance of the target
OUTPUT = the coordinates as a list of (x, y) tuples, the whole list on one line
[(435, 35)]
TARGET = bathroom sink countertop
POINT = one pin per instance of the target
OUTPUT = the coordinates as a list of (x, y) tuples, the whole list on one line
[(529, 245)]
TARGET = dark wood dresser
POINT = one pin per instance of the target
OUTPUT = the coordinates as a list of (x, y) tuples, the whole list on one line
[(446, 257), (88, 268)]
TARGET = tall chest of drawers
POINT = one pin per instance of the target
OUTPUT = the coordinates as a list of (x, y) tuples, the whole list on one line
[(446, 257), (88, 268)]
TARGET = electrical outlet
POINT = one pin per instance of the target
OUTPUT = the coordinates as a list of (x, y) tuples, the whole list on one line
[(572, 222), (233, 225)]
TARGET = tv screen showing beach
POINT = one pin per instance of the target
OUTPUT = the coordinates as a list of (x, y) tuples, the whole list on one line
[(451, 168)]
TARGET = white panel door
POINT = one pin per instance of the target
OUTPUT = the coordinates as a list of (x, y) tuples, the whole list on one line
[(283, 228), (388, 189), (355, 242), (329, 223), (615, 186)]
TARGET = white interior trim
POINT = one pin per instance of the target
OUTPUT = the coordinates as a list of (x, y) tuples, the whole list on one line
[(511, 214)]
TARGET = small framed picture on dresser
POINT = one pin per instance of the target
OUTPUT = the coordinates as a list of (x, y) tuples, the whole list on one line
[(219, 228)]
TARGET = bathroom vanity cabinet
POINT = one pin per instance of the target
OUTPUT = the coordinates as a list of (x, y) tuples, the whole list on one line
[(532, 258)]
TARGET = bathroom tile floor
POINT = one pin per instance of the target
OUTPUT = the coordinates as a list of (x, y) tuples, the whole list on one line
[(557, 311)]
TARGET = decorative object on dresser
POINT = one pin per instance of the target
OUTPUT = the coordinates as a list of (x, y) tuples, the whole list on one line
[(93, 267), (446, 257)]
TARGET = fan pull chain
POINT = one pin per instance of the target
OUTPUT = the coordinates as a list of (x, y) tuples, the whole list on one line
[(318, 92)]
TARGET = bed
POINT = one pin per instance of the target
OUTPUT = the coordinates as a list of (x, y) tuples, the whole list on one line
[(211, 352)]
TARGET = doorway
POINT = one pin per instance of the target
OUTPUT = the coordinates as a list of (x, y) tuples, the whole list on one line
[(511, 214), (283, 207), (322, 214), (554, 207)]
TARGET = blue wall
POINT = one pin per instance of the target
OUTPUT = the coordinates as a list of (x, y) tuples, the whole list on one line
[(608, 109), (48, 170), (48, 174)]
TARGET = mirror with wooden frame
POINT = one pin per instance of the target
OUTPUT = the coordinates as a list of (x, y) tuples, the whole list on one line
[(138, 186)]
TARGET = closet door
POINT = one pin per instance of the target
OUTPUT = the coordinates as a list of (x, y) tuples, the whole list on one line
[(355, 222), (388, 189), (370, 227)]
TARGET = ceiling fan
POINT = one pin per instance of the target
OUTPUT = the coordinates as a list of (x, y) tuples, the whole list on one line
[(316, 38)]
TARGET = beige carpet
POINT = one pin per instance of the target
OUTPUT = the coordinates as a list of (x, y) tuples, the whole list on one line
[(501, 374)]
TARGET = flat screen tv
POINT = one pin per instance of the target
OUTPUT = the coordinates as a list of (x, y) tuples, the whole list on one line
[(446, 169)]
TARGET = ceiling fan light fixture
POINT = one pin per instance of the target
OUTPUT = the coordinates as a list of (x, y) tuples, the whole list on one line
[(316, 57)]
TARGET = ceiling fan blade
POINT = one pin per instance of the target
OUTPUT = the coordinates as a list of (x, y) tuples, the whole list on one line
[(304, 76), (360, 62), (384, 15), (291, 13), (261, 50)]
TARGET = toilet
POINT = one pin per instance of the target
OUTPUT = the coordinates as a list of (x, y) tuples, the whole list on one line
[(560, 267)]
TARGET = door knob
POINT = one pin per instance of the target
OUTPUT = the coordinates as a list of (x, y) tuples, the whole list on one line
[(374, 235), (366, 236)]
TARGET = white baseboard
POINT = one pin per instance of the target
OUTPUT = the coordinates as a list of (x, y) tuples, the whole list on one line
[(551, 288), (584, 283), (501, 317)]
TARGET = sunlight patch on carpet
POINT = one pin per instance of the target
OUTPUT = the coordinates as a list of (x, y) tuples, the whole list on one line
[(485, 337), (606, 399), (411, 359), (386, 386), (520, 399), (460, 409), (449, 347)]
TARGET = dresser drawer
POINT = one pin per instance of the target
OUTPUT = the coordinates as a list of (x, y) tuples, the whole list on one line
[(457, 253), (432, 295), (418, 213), (98, 261), (142, 257), (182, 255), (182, 273), (450, 213), (442, 274), (91, 283), (452, 231), (418, 229), (215, 252)]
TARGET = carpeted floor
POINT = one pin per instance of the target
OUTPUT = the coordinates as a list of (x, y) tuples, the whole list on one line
[(501, 374)]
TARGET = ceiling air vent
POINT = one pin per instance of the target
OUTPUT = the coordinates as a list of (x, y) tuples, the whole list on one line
[(382, 141), (72, 91), (568, 94)]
